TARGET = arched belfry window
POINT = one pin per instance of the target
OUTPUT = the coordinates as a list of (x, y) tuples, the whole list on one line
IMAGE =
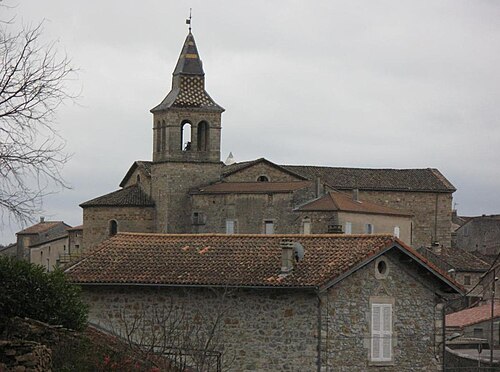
[(185, 136), (202, 137), (158, 136), (163, 135), (113, 227)]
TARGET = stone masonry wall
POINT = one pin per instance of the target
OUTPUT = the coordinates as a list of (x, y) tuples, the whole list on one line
[(171, 182), (248, 210), (431, 213), (480, 234), (261, 330), (24, 356), (130, 219), (417, 321), (251, 174)]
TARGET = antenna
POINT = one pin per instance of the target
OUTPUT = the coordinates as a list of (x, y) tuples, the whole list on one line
[(188, 21), (298, 250)]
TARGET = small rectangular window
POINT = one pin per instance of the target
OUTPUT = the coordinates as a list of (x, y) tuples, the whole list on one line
[(230, 226), (467, 280), (348, 227), (369, 229), (478, 333), (306, 226), (381, 341), (269, 227), (396, 231)]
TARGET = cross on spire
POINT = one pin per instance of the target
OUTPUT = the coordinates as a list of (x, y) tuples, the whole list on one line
[(188, 21)]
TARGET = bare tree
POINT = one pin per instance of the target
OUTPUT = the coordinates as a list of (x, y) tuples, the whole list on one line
[(175, 335), (32, 87)]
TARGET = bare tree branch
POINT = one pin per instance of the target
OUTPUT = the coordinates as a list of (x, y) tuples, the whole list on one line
[(33, 80)]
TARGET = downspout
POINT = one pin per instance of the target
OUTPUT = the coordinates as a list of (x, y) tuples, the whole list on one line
[(443, 316), (319, 332), (436, 220)]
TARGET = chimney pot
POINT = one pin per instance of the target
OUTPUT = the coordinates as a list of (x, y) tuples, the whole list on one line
[(42, 219), (287, 258), (355, 194)]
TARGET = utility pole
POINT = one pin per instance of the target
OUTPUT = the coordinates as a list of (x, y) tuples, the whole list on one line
[(493, 282)]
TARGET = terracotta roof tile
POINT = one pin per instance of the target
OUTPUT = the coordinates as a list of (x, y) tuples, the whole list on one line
[(455, 258), (40, 227), (252, 187), (472, 316), (227, 260), (338, 201), (131, 196)]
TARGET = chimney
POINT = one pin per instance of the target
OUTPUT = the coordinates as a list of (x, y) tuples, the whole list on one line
[(436, 248), (318, 187), (287, 258), (42, 219), (355, 194)]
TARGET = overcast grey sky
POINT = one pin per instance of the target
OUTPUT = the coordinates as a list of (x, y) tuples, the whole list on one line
[(385, 84)]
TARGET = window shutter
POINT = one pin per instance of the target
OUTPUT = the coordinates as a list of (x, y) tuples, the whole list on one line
[(387, 332), (381, 349), (376, 332)]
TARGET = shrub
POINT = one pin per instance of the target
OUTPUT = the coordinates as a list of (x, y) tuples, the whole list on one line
[(26, 290)]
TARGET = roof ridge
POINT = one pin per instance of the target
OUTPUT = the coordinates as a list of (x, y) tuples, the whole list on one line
[(230, 236)]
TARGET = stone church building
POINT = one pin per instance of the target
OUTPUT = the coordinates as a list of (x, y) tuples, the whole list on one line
[(187, 189)]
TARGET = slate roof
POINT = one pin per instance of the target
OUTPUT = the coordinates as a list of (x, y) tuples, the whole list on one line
[(252, 187), (131, 196), (455, 258), (188, 89), (472, 316), (428, 179), (232, 260), (41, 227), (338, 201)]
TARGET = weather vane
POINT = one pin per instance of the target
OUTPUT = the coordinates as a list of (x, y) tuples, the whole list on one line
[(188, 21)]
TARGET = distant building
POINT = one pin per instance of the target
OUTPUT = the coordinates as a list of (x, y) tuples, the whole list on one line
[(295, 302), (466, 268), (187, 189), (9, 250), (49, 243), (480, 234)]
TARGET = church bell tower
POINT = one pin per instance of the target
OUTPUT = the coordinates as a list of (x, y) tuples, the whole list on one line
[(187, 123), (186, 143)]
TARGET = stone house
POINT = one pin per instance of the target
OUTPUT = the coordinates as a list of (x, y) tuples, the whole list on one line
[(463, 266), (480, 234), (296, 302), (476, 322), (187, 189), (49, 243)]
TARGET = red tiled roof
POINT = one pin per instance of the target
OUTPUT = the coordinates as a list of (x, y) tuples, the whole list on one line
[(41, 227), (252, 187), (472, 316), (338, 201), (456, 258), (229, 260)]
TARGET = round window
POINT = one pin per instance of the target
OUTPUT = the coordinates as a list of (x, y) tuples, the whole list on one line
[(382, 267)]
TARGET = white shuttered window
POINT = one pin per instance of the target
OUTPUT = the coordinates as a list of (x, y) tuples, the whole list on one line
[(381, 350)]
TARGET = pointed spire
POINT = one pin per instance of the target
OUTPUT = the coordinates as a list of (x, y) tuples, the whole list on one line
[(189, 62)]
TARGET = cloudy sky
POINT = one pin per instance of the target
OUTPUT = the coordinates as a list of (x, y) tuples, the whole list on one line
[(383, 84)]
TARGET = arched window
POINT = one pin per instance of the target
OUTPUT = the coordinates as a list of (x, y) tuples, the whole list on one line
[(202, 137), (163, 135), (185, 136), (158, 136), (113, 227), (396, 231), (262, 179)]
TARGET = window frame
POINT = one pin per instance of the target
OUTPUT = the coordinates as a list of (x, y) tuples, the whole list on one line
[(234, 226), (384, 331)]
